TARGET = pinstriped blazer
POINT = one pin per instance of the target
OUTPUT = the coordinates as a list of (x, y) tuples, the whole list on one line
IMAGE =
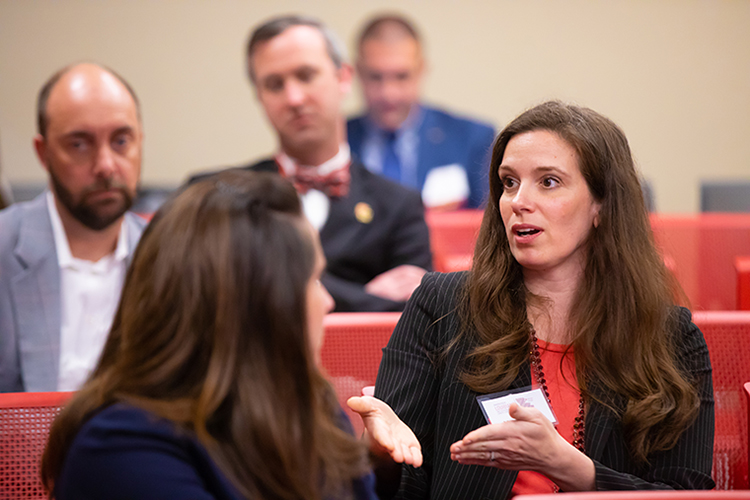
[(427, 395)]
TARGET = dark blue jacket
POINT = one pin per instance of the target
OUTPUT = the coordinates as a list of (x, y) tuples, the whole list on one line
[(444, 139), (127, 453)]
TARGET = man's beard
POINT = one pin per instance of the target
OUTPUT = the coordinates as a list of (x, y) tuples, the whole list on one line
[(94, 216)]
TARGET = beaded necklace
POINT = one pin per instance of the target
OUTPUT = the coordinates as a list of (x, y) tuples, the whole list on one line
[(538, 369)]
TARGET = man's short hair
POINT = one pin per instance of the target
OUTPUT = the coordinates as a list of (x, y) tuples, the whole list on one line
[(41, 102), (387, 25), (276, 26)]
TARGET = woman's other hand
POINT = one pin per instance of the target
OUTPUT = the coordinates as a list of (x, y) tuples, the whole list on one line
[(528, 442), (387, 434)]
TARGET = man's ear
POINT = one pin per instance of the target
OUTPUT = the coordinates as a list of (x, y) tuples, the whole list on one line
[(253, 82), (40, 146), (422, 68), (346, 75)]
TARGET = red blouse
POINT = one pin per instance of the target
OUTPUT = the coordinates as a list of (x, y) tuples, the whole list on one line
[(560, 375)]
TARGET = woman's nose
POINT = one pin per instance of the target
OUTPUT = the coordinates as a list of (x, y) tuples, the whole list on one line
[(522, 199)]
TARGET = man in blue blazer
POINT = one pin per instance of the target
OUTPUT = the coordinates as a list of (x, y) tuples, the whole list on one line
[(63, 255), (427, 149)]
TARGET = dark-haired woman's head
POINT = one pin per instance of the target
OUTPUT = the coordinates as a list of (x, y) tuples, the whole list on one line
[(602, 158), (219, 330), (218, 285), (564, 190)]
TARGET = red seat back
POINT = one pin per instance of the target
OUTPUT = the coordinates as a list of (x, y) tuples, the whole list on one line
[(452, 236), (25, 418), (701, 251), (747, 401), (351, 352), (742, 268), (727, 335), (645, 495)]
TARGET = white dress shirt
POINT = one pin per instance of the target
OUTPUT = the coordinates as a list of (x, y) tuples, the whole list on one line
[(89, 294)]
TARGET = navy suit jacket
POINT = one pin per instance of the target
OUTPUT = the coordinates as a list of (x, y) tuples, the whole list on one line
[(127, 453), (420, 382), (444, 139), (358, 251), (30, 296)]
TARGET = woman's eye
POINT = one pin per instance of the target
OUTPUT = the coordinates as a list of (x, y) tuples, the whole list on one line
[(550, 182), (508, 182)]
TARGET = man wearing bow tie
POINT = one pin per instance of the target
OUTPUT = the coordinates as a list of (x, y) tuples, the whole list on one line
[(372, 230)]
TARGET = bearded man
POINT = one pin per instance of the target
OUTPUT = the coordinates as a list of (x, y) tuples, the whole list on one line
[(63, 255)]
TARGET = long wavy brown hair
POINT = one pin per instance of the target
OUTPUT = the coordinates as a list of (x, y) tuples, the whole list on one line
[(211, 333), (623, 318)]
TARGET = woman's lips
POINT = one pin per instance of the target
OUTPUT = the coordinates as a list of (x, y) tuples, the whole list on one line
[(525, 233)]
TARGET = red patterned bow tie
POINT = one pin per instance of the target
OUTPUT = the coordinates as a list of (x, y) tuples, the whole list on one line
[(334, 184)]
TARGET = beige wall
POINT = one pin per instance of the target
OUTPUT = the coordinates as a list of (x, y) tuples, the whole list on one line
[(674, 74)]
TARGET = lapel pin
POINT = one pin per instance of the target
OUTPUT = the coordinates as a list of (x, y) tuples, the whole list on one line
[(363, 212)]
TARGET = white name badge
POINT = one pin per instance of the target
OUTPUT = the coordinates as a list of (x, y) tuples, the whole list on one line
[(495, 406)]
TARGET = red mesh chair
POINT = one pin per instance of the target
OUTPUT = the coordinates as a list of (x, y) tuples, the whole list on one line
[(25, 418), (727, 334), (747, 400), (644, 495), (702, 249), (677, 237), (742, 268), (699, 249), (351, 352), (452, 236)]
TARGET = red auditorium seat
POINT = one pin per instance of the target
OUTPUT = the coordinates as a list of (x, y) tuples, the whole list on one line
[(742, 269), (644, 495), (747, 401), (701, 250), (25, 418), (452, 236), (351, 352), (727, 335)]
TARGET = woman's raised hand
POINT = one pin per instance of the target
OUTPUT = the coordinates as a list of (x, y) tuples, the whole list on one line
[(387, 434)]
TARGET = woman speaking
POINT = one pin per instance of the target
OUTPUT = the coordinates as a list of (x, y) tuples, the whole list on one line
[(568, 295)]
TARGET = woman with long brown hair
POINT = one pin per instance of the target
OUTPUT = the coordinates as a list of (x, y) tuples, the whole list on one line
[(567, 294), (209, 386)]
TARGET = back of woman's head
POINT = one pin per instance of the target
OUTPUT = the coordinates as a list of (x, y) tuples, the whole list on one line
[(211, 333), (218, 279)]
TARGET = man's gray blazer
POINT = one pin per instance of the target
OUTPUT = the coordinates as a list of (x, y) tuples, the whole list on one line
[(30, 296)]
